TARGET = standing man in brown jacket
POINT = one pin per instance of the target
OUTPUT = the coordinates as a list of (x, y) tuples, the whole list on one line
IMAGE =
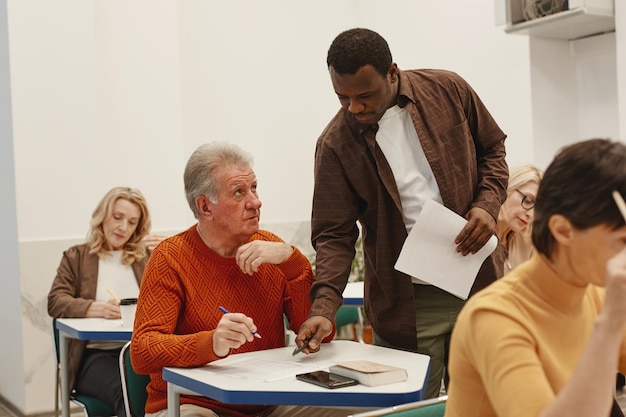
[(401, 138)]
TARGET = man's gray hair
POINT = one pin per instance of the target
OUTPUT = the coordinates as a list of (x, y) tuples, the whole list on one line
[(200, 170)]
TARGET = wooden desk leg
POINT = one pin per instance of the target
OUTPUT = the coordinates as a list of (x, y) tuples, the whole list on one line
[(65, 381), (173, 401)]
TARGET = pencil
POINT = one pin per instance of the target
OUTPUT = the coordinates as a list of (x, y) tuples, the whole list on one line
[(621, 205), (112, 294)]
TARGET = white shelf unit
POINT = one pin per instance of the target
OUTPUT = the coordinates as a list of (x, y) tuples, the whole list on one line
[(582, 19)]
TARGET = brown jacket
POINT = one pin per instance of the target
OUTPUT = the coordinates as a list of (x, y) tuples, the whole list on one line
[(353, 182), (74, 289)]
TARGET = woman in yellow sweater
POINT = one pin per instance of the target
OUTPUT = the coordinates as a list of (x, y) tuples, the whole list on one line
[(547, 339)]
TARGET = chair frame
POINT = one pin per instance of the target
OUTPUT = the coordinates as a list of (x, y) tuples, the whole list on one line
[(402, 407), (123, 376), (73, 397), (124, 373)]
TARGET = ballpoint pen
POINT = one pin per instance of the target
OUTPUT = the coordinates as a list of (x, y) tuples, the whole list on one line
[(301, 348), (223, 310)]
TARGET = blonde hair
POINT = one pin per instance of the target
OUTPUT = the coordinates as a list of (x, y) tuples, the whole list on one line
[(519, 176), (134, 249)]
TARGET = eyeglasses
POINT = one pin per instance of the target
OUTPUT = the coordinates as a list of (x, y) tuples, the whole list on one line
[(527, 201)]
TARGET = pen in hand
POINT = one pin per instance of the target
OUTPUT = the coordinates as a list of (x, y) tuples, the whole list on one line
[(301, 348), (223, 310), (112, 294)]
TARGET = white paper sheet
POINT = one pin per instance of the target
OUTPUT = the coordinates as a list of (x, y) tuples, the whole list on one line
[(261, 369), (429, 252)]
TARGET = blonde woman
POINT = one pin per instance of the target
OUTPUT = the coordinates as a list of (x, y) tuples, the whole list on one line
[(110, 262), (516, 214)]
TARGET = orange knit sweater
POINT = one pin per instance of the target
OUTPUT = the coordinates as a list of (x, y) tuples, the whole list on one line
[(184, 284)]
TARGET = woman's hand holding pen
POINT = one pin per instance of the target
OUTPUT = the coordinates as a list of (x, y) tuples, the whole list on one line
[(614, 306), (615, 280), (107, 309), (232, 331)]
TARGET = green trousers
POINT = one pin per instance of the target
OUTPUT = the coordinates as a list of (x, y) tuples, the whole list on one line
[(435, 315)]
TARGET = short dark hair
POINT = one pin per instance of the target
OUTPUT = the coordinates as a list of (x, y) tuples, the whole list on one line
[(356, 48), (578, 184)]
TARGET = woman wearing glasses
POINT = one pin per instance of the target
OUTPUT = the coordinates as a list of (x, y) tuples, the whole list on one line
[(517, 213)]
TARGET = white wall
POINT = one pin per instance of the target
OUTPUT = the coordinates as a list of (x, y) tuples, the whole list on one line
[(461, 36), (574, 92), (120, 92), (620, 36), (11, 356), (254, 73)]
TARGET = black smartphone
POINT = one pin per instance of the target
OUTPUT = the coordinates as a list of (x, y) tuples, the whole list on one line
[(326, 379)]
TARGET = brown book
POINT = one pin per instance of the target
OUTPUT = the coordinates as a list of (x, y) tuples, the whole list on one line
[(369, 373)]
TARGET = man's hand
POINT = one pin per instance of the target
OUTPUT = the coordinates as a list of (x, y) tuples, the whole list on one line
[(253, 254), (314, 330), (232, 331), (479, 228)]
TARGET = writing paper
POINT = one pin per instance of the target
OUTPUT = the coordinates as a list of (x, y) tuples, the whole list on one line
[(429, 252), (260, 369)]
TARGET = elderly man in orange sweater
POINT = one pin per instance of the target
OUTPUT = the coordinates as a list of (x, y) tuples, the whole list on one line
[(223, 260)]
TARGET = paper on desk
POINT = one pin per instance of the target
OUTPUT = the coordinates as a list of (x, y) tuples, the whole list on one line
[(261, 369), (429, 252)]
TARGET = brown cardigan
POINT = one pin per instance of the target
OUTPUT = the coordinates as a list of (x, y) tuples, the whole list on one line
[(74, 289)]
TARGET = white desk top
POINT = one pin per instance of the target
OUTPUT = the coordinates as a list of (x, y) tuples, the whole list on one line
[(353, 294), (290, 391), (94, 329)]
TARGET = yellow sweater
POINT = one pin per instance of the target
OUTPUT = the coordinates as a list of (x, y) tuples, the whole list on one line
[(516, 343)]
